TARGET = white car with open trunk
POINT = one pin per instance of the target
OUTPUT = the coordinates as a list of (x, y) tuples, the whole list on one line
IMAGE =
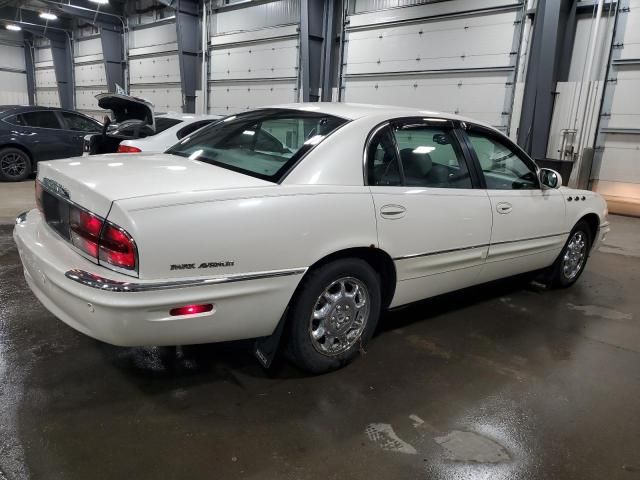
[(303, 219)]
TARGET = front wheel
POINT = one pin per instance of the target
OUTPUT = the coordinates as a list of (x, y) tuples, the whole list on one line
[(572, 260), (333, 315), (15, 165)]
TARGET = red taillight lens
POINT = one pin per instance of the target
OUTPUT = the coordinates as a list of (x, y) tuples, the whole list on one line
[(128, 149), (85, 230), (117, 248), (38, 195), (190, 309)]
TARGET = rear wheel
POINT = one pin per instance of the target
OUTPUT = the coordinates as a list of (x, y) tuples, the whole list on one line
[(15, 165), (572, 260), (334, 315)]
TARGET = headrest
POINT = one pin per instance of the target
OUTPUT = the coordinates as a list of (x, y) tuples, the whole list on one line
[(419, 164)]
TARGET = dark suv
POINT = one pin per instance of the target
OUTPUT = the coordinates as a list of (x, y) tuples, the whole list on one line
[(31, 134)]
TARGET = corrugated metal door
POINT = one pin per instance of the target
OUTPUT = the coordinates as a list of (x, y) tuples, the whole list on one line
[(254, 54), (46, 85), (89, 73), (458, 56)]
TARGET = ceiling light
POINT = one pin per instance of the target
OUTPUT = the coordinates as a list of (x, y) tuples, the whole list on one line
[(101, 2), (15, 28), (48, 16)]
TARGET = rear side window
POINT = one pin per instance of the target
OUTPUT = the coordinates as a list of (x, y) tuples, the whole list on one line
[(44, 119), (192, 127), (163, 123), (15, 120), (79, 123)]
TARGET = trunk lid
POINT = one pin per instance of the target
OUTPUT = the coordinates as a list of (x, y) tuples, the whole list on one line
[(130, 113), (95, 182)]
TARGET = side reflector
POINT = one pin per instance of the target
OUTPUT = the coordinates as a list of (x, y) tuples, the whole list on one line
[(128, 149), (191, 309)]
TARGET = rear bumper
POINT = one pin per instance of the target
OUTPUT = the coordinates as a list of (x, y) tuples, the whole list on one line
[(244, 306)]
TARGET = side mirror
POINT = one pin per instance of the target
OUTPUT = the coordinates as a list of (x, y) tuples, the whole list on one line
[(550, 178)]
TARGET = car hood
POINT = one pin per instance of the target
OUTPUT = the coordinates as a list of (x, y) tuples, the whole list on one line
[(95, 182)]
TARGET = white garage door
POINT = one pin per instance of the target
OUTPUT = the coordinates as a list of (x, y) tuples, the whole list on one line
[(46, 85), (458, 56), (90, 75), (616, 172), (252, 67), (13, 77)]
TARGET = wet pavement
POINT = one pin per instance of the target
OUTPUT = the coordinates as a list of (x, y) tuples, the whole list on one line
[(505, 381)]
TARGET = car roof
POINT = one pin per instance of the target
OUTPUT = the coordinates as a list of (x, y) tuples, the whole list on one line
[(354, 111), (187, 116), (13, 109)]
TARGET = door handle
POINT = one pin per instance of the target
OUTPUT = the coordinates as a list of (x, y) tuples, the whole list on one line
[(392, 212), (504, 207)]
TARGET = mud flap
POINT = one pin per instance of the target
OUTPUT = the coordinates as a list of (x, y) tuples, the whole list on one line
[(265, 348)]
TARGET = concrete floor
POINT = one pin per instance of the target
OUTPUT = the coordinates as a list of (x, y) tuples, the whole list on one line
[(497, 382)]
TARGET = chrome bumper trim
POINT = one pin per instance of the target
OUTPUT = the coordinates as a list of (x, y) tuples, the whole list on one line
[(101, 283), (21, 218)]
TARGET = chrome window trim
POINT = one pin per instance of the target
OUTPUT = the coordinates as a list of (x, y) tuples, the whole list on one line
[(101, 283), (485, 245)]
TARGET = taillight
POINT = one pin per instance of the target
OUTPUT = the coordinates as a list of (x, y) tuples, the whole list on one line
[(85, 230), (128, 149), (117, 248)]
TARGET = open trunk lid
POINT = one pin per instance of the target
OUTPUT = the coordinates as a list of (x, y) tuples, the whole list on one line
[(95, 182), (129, 112)]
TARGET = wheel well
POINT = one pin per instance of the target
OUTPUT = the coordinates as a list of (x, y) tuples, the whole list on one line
[(594, 223), (19, 147), (379, 260)]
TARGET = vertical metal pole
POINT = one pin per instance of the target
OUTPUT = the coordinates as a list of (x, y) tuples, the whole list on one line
[(204, 84)]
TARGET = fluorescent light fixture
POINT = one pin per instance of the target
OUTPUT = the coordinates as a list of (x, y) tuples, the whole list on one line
[(48, 16), (15, 28), (422, 149), (101, 2), (249, 132), (195, 154)]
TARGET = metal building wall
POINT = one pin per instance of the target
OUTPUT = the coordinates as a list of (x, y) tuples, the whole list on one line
[(89, 74), (616, 169), (154, 67), (457, 56), (254, 56), (47, 94), (13, 75)]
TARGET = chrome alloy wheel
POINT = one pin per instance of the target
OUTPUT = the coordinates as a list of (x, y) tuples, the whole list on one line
[(574, 256), (339, 316), (13, 164)]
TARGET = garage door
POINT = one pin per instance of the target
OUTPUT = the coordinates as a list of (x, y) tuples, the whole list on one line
[(458, 56), (616, 172), (46, 85), (251, 66), (13, 76), (154, 68), (90, 75)]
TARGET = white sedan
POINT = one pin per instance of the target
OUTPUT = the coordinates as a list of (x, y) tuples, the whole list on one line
[(170, 129), (308, 219)]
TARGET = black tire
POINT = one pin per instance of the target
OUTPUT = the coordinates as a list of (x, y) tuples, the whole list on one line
[(559, 277), (15, 165), (305, 351)]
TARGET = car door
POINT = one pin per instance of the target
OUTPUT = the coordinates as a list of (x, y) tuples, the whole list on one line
[(76, 127), (430, 218), (47, 138), (528, 221)]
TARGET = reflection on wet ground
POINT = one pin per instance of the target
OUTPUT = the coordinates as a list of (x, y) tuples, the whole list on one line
[(503, 381)]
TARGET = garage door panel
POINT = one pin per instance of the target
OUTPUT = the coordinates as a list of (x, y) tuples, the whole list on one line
[(14, 88), (86, 99), (231, 98), (621, 159), (625, 107), (164, 98), (631, 39), (46, 78), (48, 98), (475, 42), (276, 58), (89, 75), (473, 96), (159, 69)]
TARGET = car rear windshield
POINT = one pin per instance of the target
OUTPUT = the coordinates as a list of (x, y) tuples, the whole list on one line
[(265, 143), (162, 123)]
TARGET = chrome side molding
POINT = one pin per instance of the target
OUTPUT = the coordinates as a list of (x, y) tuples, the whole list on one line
[(96, 281)]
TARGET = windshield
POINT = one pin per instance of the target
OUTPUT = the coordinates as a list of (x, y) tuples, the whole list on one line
[(264, 143)]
